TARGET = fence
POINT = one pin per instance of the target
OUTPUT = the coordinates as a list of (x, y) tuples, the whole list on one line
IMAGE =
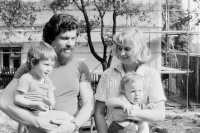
[(179, 80), (6, 75)]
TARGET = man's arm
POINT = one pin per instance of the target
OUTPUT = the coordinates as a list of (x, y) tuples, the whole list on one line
[(83, 115), (87, 109), (15, 112), (99, 117), (148, 115)]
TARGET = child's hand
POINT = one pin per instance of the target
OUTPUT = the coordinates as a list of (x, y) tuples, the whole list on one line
[(127, 107), (151, 106), (52, 103), (40, 106), (48, 102)]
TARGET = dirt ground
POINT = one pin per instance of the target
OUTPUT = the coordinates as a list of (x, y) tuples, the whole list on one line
[(175, 123)]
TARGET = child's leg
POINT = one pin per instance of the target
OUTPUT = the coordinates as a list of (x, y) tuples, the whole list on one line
[(143, 127)]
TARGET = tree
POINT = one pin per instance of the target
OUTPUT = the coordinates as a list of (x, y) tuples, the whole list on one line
[(117, 7), (179, 19), (16, 13)]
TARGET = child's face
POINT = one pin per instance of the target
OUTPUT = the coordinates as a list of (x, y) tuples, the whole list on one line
[(134, 91), (44, 68)]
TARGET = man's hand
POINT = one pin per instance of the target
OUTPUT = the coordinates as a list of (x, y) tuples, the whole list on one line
[(64, 126)]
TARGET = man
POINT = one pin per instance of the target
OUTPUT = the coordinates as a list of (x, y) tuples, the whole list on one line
[(70, 77)]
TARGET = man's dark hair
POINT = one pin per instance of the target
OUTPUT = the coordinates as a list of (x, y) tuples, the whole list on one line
[(57, 24)]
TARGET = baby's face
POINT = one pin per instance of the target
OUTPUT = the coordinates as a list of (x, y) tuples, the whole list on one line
[(134, 91)]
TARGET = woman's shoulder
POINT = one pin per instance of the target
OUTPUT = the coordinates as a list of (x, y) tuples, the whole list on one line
[(149, 69), (149, 73)]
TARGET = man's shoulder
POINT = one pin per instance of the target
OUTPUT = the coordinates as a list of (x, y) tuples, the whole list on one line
[(77, 61), (27, 77)]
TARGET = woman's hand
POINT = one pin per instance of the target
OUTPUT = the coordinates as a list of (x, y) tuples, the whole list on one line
[(151, 106), (64, 126)]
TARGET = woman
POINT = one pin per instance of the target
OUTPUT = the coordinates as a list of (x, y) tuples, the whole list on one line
[(131, 49)]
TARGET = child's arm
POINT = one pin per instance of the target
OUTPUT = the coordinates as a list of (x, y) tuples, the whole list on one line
[(51, 99), (21, 101)]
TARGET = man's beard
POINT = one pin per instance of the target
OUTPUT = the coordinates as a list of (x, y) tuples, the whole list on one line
[(64, 58)]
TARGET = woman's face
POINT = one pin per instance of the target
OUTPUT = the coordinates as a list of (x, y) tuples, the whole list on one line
[(64, 45), (126, 53)]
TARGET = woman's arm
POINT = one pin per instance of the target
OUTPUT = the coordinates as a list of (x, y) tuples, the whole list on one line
[(15, 112), (148, 115), (114, 102), (99, 117)]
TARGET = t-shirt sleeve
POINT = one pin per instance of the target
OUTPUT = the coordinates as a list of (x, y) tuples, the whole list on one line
[(84, 73), (51, 86), (21, 70), (23, 83), (102, 88), (156, 92)]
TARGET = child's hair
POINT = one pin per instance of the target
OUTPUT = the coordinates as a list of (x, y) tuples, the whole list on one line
[(129, 78), (40, 51), (135, 38)]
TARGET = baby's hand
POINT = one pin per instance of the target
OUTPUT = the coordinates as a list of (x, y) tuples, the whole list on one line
[(151, 106), (127, 107)]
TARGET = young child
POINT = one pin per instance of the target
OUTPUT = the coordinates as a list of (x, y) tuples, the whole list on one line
[(34, 89), (131, 97)]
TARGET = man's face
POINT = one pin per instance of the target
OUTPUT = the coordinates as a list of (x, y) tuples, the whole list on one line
[(64, 45)]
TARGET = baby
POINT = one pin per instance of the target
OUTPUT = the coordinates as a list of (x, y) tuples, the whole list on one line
[(131, 98)]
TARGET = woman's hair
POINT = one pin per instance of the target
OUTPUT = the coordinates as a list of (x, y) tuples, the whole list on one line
[(57, 24), (40, 51), (135, 38), (129, 78)]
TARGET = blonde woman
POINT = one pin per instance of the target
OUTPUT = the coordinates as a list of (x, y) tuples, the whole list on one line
[(131, 49)]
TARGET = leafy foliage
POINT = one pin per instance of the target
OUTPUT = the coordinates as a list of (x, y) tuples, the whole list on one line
[(59, 4), (15, 13)]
